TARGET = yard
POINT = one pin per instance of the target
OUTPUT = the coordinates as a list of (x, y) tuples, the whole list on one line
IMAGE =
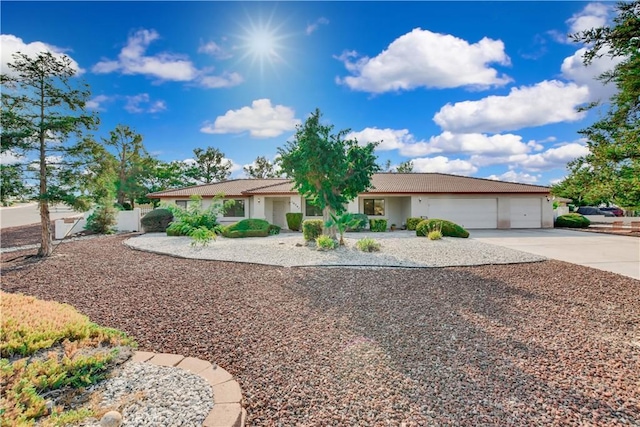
[(539, 343)]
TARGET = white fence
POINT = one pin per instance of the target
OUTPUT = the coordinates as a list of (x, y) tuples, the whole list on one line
[(126, 221)]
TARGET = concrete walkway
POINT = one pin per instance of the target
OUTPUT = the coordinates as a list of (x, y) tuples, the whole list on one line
[(29, 213), (618, 254)]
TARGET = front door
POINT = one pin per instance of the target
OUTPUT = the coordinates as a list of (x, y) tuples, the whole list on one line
[(279, 217)]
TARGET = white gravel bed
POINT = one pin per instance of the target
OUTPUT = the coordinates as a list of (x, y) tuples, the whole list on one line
[(151, 395), (398, 249)]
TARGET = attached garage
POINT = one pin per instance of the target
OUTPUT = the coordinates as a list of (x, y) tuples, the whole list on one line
[(469, 213), (526, 213)]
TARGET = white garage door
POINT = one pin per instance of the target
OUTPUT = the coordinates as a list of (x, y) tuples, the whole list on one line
[(469, 213), (526, 213)]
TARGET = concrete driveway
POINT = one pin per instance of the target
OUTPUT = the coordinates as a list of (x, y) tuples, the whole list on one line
[(618, 254), (28, 213)]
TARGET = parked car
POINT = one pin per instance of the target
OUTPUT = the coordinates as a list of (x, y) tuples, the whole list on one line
[(592, 210), (615, 211)]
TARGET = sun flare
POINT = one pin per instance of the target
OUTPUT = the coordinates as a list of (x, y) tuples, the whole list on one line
[(261, 42)]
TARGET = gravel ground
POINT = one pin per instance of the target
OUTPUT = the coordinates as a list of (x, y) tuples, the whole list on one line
[(398, 249), (546, 343)]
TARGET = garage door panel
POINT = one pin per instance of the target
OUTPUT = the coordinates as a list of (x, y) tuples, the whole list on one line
[(526, 213), (469, 213)]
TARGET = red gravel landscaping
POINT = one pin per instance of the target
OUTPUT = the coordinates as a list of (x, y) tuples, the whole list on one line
[(546, 343)]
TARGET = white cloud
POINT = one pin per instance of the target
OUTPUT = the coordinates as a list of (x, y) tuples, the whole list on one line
[(261, 120), (425, 59), (12, 44), (574, 69), (132, 60), (446, 142), (163, 66), (554, 157), (214, 49), (142, 103), (442, 164), (527, 106), (97, 102), (10, 158), (390, 139), (225, 80), (513, 176), (593, 15), (313, 27)]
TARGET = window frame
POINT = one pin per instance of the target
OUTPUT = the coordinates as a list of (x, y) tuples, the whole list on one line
[(308, 207), (373, 212), (244, 209), (182, 203)]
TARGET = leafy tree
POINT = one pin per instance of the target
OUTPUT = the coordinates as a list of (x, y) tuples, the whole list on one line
[(13, 186), (42, 107), (611, 169), (405, 167), (163, 176), (327, 169), (131, 160), (211, 166), (261, 168)]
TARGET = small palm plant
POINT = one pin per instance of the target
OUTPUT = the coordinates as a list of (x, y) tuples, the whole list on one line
[(342, 223)]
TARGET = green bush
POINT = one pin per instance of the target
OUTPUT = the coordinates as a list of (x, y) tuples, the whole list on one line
[(368, 245), (102, 220), (572, 220), (294, 220), (435, 235), (157, 220), (412, 223), (274, 229), (378, 224), (251, 227), (362, 219), (447, 228), (311, 229), (325, 242)]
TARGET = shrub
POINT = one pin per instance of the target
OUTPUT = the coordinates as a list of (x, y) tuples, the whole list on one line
[(325, 243), (378, 224), (435, 235), (157, 220), (412, 223), (311, 229), (572, 220), (368, 245), (274, 229), (102, 220), (447, 228), (342, 223), (84, 353), (251, 227), (361, 224), (198, 223), (294, 220)]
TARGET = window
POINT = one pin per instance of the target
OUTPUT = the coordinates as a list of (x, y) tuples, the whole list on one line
[(237, 210), (182, 203), (311, 210), (374, 207)]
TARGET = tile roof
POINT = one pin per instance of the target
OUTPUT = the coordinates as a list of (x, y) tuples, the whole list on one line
[(406, 183), (444, 183), (233, 187)]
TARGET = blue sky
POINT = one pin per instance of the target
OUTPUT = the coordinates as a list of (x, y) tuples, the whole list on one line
[(485, 89)]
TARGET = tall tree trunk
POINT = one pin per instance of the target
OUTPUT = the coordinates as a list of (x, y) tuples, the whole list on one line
[(45, 220), (326, 216)]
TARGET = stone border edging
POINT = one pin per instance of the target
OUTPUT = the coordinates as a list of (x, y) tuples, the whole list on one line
[(227, 411)]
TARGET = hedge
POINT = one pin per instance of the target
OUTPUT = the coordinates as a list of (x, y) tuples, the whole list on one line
[(412, 223), (294, 220), (312, 229), (572, 220), (448, 228), (378, 224), (251, 227), (157, 220)]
